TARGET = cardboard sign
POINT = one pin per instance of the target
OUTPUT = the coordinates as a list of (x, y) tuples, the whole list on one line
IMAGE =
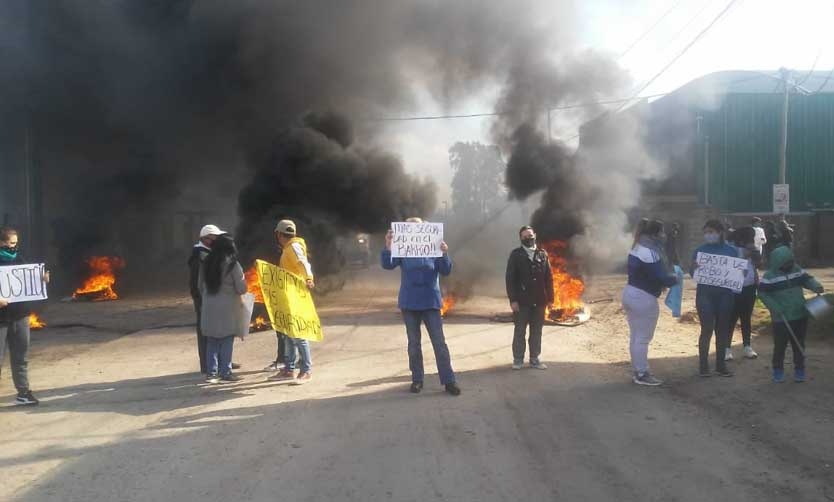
[(781, 199), (289, 303), (23, 283), (722, 271), (416, 240)]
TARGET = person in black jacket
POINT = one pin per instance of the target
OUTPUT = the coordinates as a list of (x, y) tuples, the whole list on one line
[(14, 323), (530, 291), (208, 234)]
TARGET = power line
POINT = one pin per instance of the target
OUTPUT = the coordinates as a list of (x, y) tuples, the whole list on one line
[(825, 82), (685, 49), (651, 29)]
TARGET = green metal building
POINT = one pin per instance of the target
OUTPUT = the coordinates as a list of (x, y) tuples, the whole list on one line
[(721, 134)]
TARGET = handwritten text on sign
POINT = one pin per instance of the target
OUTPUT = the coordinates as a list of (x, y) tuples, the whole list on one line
[(416, 240), (22, 283), (722, 271), (289, 303)]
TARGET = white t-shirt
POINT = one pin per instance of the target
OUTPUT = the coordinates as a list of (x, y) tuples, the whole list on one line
[(760, 240)]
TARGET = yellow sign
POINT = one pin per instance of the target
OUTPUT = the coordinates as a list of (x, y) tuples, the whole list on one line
[(289, 303)]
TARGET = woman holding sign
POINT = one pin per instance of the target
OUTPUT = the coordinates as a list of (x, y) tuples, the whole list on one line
[(14, 322), (221, 284), (715, 304), (420, 303)]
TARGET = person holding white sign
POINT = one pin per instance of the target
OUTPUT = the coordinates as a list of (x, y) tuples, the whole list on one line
[(420, 301), (648, 275), (714, 303), (14, 322)]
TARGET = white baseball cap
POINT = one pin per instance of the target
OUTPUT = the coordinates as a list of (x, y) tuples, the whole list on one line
[(210, 230)]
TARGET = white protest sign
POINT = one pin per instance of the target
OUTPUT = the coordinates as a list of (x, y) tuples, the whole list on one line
[(722, 271), (22, 283), (416, 240), (781, 199)]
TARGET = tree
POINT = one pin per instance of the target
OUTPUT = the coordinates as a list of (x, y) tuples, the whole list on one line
[(478, 182)]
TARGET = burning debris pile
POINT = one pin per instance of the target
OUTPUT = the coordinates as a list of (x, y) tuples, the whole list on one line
[(36, 322), (98, 286), (568, 307)]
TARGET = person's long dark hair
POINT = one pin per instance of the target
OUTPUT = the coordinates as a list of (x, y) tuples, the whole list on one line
[(219, 262), (646, 227)]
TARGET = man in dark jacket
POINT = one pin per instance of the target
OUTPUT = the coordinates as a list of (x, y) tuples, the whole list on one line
[(14, 323), (530, 290), (198, 253)]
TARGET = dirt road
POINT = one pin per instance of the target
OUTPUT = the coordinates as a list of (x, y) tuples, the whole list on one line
[(124, 416)]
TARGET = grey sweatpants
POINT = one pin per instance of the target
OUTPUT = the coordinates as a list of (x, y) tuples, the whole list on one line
[(642, 312), (15, 335)]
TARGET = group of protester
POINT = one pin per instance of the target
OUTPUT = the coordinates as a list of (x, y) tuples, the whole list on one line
[(217, 282), (720, 309)]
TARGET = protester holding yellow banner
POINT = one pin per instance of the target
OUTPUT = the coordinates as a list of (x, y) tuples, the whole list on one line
[(288, 301)]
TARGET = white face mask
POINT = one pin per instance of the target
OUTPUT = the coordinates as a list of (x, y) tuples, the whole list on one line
[(712, 238)]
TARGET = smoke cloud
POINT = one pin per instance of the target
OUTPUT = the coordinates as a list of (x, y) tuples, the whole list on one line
[(213, 101)]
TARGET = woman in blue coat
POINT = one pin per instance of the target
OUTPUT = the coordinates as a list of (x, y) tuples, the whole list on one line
[(420, 301)]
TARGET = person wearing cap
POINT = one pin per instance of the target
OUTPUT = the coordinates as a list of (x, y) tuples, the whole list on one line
[(420, 301), (208, 234), (294, 260)]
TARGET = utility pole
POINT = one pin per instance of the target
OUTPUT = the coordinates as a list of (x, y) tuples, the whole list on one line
[(549, 134), (783, 140)]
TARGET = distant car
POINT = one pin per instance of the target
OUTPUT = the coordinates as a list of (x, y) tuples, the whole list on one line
[(358, 250)]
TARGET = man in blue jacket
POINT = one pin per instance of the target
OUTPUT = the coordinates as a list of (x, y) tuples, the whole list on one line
[(420, 302)]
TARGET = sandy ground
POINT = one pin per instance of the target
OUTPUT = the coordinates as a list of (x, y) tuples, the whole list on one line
[(125, 415)]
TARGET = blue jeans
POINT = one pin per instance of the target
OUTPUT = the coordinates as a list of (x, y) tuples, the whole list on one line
[(303, 347), (219, 353), (434, 325)]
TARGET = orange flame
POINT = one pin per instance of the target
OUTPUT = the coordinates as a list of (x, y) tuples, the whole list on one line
[(567, 289), (36, 322), (253, 285), (100, 284), (449, 302), (259, 324)]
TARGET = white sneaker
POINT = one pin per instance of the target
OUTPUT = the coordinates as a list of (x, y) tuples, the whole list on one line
[(517, 366), (538, 365), (749, 353), (728, 355)]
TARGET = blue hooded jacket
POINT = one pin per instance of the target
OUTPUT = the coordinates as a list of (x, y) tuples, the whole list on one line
[(420, 280)]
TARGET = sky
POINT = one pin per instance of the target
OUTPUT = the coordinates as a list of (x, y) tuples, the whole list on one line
[(752, 35)]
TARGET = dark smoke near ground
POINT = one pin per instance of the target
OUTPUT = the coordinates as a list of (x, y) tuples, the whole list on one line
[(231, 101)]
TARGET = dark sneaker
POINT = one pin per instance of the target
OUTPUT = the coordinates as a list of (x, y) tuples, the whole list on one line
[(724, 372), (416, 387), (273, 366), (704, 373), (231, 377), (799, 375), (283, 376), (236, 366), (212, 379), (25, 398), (646, 379), (302, 378), (453, 389)]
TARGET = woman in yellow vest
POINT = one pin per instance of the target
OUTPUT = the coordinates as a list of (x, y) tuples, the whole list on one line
[(294, 259)]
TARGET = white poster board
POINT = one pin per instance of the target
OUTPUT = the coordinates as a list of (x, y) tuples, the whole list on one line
[(781, 199), (722, 271), (416, 240), (22, 283)]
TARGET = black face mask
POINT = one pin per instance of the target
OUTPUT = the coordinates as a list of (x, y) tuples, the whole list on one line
[(528, 242)]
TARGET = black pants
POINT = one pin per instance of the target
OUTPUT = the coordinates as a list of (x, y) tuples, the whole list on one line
[(201, 340), (714, 305), (781, 338), (528, 315), (743, 312)]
